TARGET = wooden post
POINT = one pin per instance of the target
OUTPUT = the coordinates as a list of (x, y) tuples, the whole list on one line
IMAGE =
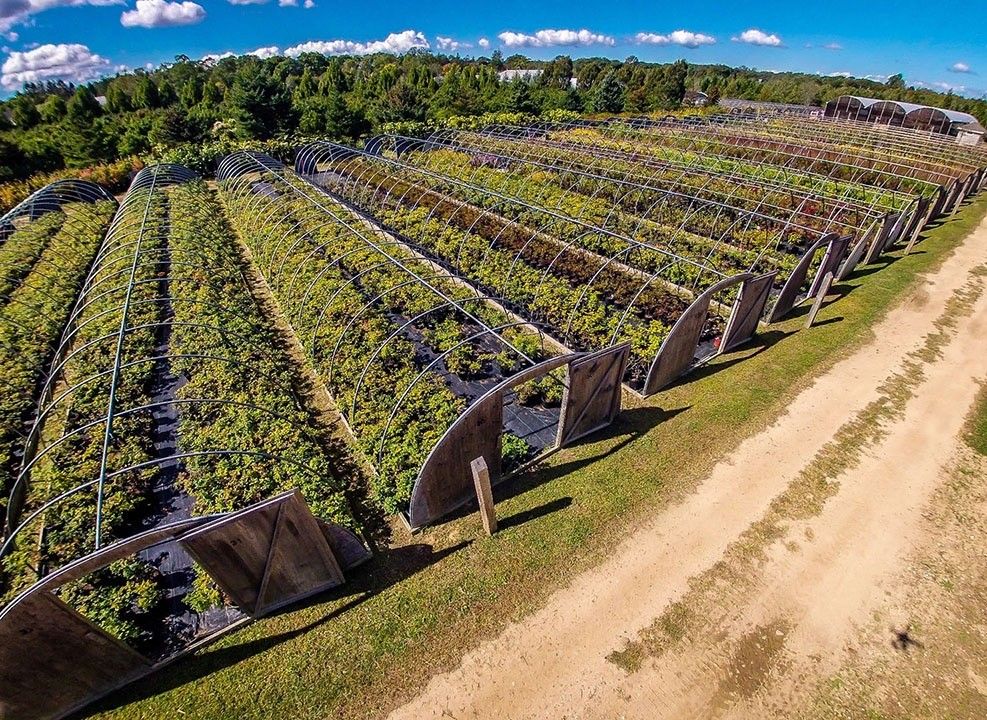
[(820, 297), (484, 495)]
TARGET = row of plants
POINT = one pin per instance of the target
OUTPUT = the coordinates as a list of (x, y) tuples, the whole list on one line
[(790, 156), (562, 220), (114, 176), (128, 273), (577, 295), (374, 320), (932, 155), (662, 183), (731, 242), (22, 249), (627, 141), (241, 389), (54, 253)]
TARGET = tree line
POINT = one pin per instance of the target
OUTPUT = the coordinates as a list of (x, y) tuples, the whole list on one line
[(188, 103)]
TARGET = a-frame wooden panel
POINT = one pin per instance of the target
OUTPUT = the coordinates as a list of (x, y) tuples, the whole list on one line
[(592, 397), (268, 555), (52, 659), (747, 311)]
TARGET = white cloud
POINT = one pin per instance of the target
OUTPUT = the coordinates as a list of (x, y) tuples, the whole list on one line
[(309, 4), (395, 43), (483, 42), (447, 44), (832, 46), (14, 12), (216, 57), (753, 36), (71, 62), (842, 74), (685, 38), (960, 67), (552, 38), (266, 52), (161, 13)]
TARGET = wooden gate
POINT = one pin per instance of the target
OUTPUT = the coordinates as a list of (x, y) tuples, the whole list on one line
[(592, 397), (268, 555), (53, 660)]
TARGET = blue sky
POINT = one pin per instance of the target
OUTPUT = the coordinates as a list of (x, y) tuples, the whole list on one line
[(81, 39)]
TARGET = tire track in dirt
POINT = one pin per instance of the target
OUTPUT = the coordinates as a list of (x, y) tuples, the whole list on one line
[(554, 664)]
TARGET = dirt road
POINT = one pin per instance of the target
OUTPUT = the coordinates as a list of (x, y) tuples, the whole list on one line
[(738, 601)]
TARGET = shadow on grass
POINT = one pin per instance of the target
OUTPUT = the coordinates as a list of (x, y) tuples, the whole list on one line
[(384, 570), (755, 346), (534, 513)]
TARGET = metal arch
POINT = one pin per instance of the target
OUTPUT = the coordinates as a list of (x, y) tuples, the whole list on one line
[(611, 164), (566, 246), (140, 466), (883, 142), (792, 156), (54, 195), (10, 519), (316, 202), (122, 227), (777, 131), (697, 141), (501, 196), (818, 185), (456, 305), (817, 182), (695, 203), (638, 186), (651, 183), (441, 199), (366, 306), (311, 160), (150, 177), (435, 361), (48, 406)]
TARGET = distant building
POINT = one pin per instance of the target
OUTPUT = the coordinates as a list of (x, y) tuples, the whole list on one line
[(909, 115), (695, 98), (525, 74), (529, 75)]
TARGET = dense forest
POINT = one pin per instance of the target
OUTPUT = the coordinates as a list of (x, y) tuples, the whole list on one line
[(194, 111)]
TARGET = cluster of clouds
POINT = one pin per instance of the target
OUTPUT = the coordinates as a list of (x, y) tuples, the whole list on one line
[(555, 38), (146, 14), (395, 44), (72, 62), (685, 38), (754, 36), (161, 13)]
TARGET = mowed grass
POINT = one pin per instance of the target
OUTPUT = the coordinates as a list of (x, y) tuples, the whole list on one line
[(417, 607), (977, 425)]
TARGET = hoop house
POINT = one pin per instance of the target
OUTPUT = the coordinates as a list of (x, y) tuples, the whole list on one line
[(426, 369), (170, 396), (838, 165), (48, 243), (734, 207)]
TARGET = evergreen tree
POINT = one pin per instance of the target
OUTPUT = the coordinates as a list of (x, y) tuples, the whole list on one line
[(609, 94), (83, 107)]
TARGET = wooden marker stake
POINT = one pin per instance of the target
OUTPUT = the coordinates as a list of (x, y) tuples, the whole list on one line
[(484, 495)]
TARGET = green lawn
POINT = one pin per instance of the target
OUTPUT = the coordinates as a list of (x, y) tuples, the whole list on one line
[(417, 607)]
